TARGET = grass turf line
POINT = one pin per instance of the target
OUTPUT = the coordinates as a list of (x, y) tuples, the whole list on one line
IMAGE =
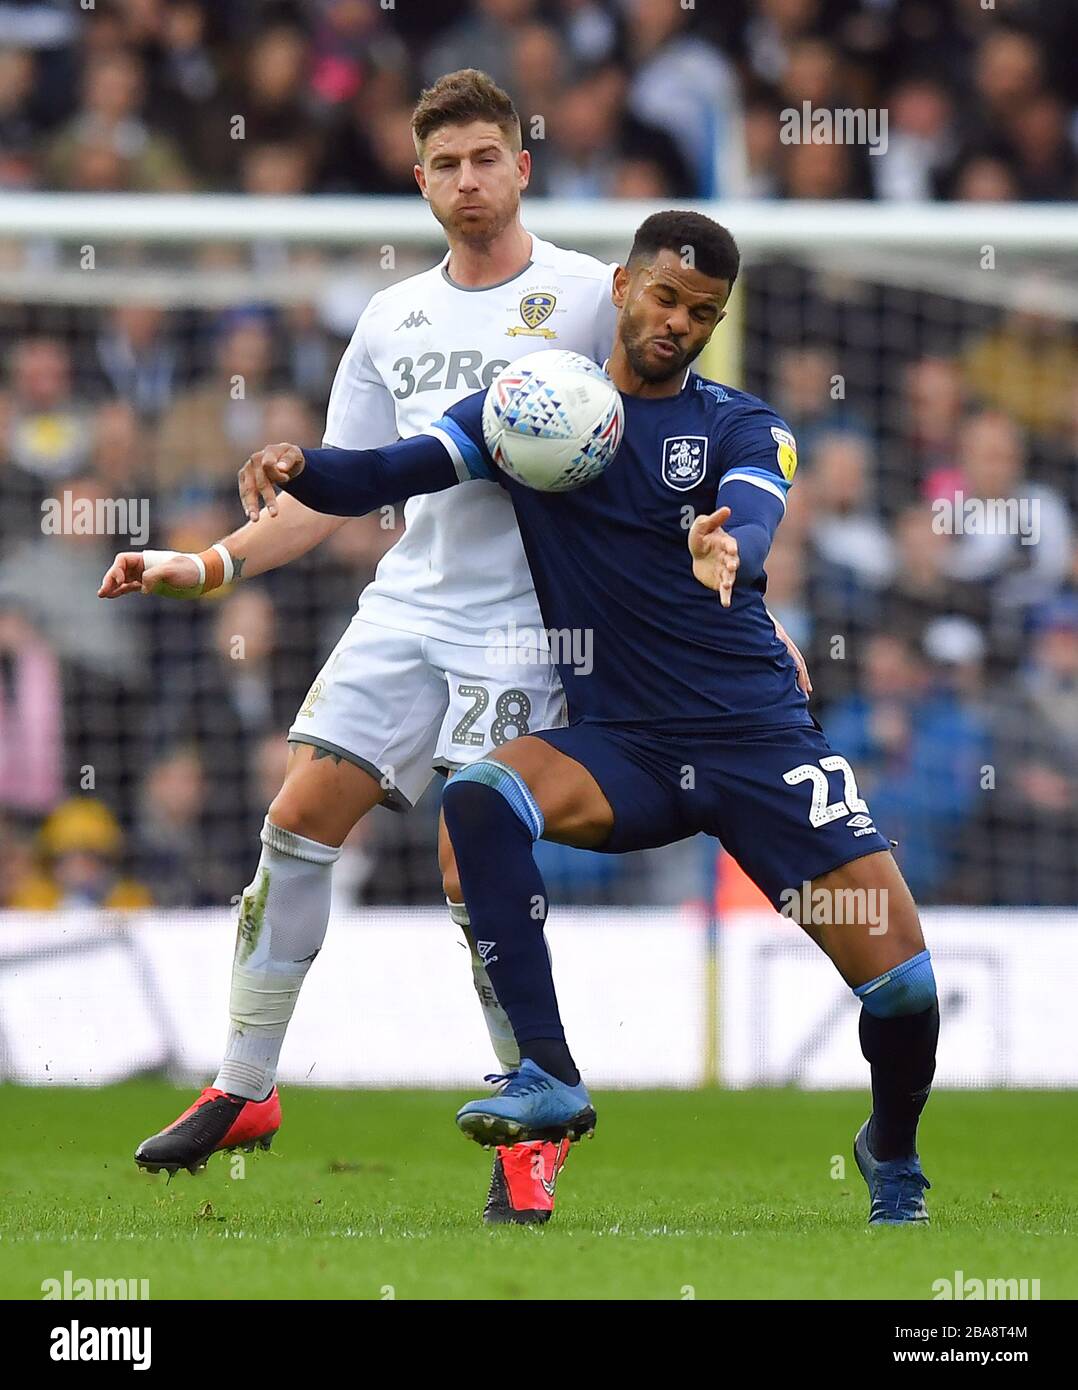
[(681, 1194)]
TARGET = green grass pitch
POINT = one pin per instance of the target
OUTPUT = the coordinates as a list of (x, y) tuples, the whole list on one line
[(370, 1195)]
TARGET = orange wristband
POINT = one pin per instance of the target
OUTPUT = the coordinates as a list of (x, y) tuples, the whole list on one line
[(215, 568)]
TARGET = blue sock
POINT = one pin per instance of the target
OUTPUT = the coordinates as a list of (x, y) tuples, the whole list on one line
[(899, 1029), (493, 822)]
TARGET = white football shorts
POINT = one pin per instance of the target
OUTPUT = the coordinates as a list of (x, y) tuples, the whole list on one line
[(403, 706)]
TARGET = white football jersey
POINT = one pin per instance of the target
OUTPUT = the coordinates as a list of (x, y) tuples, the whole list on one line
[(420, 345)]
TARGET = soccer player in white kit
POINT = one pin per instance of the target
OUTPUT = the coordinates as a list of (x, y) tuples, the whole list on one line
[(419, 681)]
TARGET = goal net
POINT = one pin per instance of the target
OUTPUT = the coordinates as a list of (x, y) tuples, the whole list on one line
[(925, 359)]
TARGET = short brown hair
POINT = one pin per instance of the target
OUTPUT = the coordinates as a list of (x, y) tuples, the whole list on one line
[(460, 97)]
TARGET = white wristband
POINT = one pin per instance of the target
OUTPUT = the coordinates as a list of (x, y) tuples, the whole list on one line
[(226, 556), (160, 557), (152, 558), (192, 591)]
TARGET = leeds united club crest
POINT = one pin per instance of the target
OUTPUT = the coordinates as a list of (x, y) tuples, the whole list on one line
[(535, 309), (684, 460)]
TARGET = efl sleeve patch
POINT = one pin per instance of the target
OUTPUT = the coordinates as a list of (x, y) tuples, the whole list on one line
[(786, 452)]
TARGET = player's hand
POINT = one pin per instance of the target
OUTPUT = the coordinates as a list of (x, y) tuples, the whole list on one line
[(128, 575), (714, 552), (123, 576), (791, 646), (265, 470)]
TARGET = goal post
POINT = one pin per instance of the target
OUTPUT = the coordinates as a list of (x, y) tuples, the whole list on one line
[(341, 219), (983, 250)]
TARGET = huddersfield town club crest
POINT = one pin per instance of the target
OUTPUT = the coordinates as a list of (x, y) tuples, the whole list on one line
[(535, 309), (684, 460)]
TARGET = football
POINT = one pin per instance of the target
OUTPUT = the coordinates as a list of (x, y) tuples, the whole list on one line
[(553, 420)]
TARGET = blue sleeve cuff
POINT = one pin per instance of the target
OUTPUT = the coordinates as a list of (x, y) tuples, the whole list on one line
[(757, 504), (468, 458), (762, 478)]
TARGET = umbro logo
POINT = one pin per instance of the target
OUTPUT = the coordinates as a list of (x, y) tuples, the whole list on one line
[(858, 822), (416, 319), (485, 949)]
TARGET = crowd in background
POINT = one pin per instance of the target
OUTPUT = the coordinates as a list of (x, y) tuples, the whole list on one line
[(619, 98), (142, 740), (945, 660)]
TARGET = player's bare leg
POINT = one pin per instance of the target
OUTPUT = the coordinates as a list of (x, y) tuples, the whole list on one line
[(323, 795), (886, 935), (283, 916), (494, 811), (864, 917)]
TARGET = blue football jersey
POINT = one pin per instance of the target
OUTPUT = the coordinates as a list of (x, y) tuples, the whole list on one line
[(610, 560)]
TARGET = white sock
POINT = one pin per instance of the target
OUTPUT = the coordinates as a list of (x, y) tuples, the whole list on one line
[(494, 1016), (283, 916)]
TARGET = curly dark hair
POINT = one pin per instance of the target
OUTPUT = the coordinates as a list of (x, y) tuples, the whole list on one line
[(714, 251)]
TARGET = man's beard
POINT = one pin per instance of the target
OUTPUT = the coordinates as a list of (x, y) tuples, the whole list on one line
[(635, 347), (484, 231)]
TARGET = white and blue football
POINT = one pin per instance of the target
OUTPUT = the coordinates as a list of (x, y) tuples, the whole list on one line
[(553, 420)]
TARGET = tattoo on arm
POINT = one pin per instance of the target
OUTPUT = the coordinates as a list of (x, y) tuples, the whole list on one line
[(238, 562), (316, 751)]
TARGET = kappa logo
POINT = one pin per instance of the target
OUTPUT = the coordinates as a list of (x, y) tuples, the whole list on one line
[(485, 948), (684, 460), (416, 319)]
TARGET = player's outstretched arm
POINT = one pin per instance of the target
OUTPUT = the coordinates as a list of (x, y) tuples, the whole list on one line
[(352, 482), (135, 572), (715, 554), (251, 550), (721, 554), (730, 545)]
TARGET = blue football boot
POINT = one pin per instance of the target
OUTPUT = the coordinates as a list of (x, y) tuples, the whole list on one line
[(531, 1104), (896, 1186)]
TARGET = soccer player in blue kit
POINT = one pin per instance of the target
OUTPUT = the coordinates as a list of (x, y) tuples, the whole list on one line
[(690, 718)]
